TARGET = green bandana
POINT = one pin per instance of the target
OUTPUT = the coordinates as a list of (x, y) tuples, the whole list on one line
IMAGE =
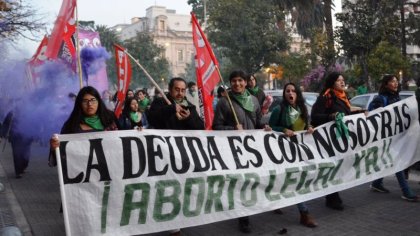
[(245, 100), (94, 122), (184, 102), (292, 115), (144, 103), (341, 127), (134, 116), (254, 90)]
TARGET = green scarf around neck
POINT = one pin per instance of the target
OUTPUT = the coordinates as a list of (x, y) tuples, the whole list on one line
[(94, 122), (292, 115), (254, 90), (134, 116), (245, 100), (184, 102)]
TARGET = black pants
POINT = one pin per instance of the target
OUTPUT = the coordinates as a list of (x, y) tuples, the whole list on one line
[(21, 148), (333, 197)]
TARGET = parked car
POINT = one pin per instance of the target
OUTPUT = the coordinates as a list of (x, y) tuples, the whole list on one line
[(364, 100), (277, 95)]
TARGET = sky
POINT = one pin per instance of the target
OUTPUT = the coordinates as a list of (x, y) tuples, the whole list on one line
[(104, 12)]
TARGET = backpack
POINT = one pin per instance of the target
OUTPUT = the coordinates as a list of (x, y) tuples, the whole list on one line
[(384, 100)]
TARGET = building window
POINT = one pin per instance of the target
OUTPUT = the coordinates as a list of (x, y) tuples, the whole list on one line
[(161, 25), (180, 55)]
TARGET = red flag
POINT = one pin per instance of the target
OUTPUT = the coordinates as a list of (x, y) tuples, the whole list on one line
[(65, 18), (124, 77), (206, 72), (37, 59)]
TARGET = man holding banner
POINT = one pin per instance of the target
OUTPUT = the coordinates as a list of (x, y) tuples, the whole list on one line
[(179, 115), (246, 108)]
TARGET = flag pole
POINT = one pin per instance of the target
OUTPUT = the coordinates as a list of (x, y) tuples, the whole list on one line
[(213, 58), (62, 192), (227, 96), (149, 77), (79, 63)]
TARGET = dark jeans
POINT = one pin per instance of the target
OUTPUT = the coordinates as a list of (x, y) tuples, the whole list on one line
[(21, 148)]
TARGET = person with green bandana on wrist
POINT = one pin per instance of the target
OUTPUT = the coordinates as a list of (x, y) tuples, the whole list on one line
[(332, 105)]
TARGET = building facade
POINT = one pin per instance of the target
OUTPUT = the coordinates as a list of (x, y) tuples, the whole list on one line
[(170, 30)]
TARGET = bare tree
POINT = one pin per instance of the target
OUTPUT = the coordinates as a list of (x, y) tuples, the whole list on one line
[(18, 20)]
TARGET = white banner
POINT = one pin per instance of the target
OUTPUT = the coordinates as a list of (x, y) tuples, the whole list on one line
[(136, 182)]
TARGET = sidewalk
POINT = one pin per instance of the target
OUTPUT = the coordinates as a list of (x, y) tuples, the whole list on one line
[(34, 201)]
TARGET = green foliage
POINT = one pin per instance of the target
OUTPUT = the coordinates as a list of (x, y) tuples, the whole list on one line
[(319, 46), (198, 8), (386, 59), (151, 57), (246, 32), (295, 67), (364, 25), (413, 24)]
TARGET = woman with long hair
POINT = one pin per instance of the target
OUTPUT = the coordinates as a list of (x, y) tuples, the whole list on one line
[(388, 94), (332, 103), (292, 115), (131, 117), (89, 115)]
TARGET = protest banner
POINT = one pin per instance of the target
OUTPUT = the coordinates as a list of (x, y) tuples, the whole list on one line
[(137, 182)]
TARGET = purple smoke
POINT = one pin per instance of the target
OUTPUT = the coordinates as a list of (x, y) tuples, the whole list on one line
[(39, 109), (93, 59)]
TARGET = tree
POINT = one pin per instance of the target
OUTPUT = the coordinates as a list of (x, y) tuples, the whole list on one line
[(189, 74), (295, 67), (386, 59), (150, 57), (18, 20), (246, 32), (364, 25)]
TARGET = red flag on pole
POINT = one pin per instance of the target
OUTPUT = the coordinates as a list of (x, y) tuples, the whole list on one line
[(37, 59), (124, 77), (206, 72), (65, 18)]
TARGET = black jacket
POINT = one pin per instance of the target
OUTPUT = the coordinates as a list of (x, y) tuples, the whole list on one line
[(390, 98), (163, 116), (324, 108)]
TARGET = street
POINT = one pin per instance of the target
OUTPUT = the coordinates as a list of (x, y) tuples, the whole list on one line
[(35, 203)]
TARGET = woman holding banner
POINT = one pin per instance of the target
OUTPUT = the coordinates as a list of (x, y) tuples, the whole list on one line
[(89, 115), (292, 115), (388, 94), (131, 117), (332, 104)]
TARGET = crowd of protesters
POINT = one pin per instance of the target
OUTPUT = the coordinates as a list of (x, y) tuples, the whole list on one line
[(238, 106)]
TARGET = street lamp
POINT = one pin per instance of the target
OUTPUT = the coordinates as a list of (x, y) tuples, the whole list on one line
[(401, 76), (267, 70)]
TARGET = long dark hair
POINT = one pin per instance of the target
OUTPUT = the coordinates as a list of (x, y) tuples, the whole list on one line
[(329, 81), (127, 109), (72, 124), (300, 101), (384, 82)]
